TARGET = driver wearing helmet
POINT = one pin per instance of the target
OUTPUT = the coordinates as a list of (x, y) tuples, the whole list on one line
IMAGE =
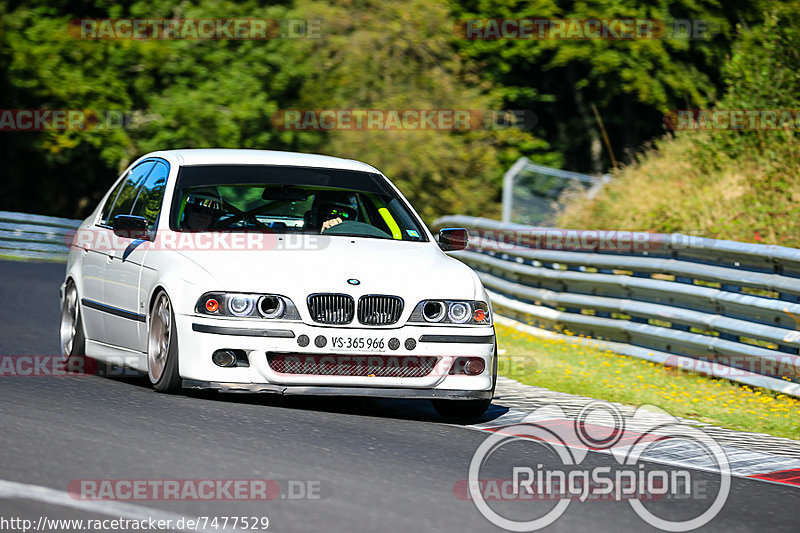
[(331, 208), (201, 211)]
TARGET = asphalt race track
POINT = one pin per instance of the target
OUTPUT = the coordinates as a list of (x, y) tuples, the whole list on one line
[(372, 465)]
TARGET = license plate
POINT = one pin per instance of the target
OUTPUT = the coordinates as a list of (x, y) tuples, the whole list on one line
[(366, 344)]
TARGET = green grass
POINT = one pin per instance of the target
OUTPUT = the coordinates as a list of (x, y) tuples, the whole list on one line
[(565, 366), (4, 257), (672, 187)]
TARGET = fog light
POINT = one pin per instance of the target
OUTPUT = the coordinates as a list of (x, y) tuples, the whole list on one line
[(224, 358), (474, 366)]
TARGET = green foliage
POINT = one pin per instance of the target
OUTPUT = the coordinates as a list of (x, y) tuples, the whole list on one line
[(181, 94), (189, 93), (763, 73), (742, 185), (401, 56), (631, 82)]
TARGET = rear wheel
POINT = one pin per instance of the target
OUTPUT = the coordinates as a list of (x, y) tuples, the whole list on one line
[(162, 346), (73, 341)]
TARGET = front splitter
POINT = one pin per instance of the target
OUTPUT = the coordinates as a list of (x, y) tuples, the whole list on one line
[(373, 392)]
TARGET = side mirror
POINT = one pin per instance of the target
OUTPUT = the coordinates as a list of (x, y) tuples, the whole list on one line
[(130, 227), (451, 239)]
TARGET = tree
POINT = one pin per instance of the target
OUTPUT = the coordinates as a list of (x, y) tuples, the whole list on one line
[(377, 55), (173, 93), (631, 82)]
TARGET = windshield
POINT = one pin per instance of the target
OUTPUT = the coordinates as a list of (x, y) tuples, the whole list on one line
[(290, 200)]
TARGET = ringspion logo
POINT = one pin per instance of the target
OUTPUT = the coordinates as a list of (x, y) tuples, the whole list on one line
[(632, 441)]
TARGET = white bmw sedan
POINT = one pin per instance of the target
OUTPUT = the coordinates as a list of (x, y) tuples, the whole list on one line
[(246, 270)]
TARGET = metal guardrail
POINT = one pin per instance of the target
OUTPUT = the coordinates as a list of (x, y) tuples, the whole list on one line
[(731, 308), (34, 236)]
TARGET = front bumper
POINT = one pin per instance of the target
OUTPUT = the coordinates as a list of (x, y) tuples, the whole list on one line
[(199, 337)]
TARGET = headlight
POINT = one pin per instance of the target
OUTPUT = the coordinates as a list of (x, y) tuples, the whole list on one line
[(241, 305), (434, 310), (458, 312), (270, 306), (452, 312)]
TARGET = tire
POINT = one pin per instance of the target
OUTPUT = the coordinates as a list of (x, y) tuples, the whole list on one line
[(71, 335), (468, 409), (162, 346)]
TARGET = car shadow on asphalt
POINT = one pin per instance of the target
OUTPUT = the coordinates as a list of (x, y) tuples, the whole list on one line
[(418, 410)]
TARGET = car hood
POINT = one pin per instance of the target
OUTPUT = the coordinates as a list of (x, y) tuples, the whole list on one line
[(412, 270)]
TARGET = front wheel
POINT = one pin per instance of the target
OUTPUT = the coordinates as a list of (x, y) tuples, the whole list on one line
[(73, 341), (162, 347)]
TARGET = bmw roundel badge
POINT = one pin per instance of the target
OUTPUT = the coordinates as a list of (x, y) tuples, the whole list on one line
[(353, 281)]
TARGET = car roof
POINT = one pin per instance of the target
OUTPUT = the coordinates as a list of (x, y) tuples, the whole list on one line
[(222, 156)]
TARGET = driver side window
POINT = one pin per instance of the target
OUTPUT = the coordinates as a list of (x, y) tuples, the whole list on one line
[(125, 193), (150, 195)]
